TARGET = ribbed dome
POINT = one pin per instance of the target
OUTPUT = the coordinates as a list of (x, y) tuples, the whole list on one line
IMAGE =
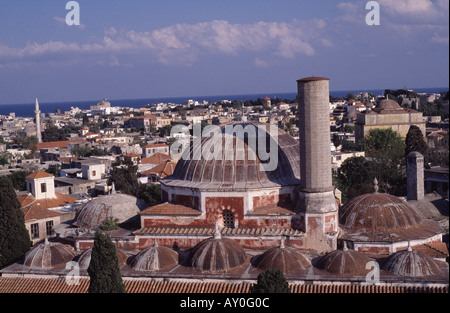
[(412, 263), (216, 254), (154, 259), (85, 258), (237, 165), (344, 262), (285, 259), (48, 255), (387, 104), (120, 206), (382, 217)]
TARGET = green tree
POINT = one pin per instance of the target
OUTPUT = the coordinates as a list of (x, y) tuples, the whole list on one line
[(349, 129), (151, 194), (386, 150), (336, 140), (271, 281), (104, 272), (125, 179), (415, 142), (17, 179), (14, 237), (354, 178), (53, 133)]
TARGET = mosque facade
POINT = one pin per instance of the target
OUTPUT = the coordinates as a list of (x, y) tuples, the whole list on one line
[(225, 216)]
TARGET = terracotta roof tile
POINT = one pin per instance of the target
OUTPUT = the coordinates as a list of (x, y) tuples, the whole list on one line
[(170, 209), (58, 144), (39, 174), (36, 212), (157, 158), (60, 200)]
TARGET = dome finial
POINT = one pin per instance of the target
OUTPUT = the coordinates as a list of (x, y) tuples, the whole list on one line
[(217, 234), (155, 244), (409, 246), (345, 246), (282, 244), (375, 185)]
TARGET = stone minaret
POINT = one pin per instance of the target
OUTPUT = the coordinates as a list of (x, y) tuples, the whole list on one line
[(317, 204), (37, 112), (415, 176)]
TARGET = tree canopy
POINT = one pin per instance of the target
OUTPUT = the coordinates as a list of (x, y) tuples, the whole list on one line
[(104, 272), (14, 237), (271, 281)]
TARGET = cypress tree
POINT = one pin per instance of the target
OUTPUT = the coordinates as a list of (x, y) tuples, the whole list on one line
[(14, 237), (104, 269), (271, 281), (414, 142)]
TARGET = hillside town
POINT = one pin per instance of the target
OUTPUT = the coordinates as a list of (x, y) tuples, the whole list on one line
[(71, 173)]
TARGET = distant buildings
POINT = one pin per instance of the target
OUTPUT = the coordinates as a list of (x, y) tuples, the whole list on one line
[(388, 114)]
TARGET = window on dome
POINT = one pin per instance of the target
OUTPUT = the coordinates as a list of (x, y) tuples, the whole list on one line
[(228, 218)]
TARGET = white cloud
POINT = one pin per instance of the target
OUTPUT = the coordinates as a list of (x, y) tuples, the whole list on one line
[(260, 63), (185, 43)]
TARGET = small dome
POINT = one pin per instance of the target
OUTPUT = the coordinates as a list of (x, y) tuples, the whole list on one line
[(154, 259), (387, 104), (382, 217), (412, 263), (344, 262), (285, 259), (122, 207), (216, 254), (85, 258), (48, 255)]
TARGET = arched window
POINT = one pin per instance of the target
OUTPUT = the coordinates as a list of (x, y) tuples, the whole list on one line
[(228, 218)]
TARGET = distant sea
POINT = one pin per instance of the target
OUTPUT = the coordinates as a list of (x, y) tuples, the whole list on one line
[(27, 109)]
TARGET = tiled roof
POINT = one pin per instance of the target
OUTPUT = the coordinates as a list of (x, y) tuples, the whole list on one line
[(57, 144), (35, 212), (39, 174), (157, 158), (59, 285), (155, 145), (170, 209), (204, 231), (60, 200), (163, 170)]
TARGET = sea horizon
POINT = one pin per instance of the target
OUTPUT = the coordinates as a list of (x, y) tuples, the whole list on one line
[(27, 109)]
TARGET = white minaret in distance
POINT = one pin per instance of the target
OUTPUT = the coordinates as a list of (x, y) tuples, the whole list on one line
[(37, 112)]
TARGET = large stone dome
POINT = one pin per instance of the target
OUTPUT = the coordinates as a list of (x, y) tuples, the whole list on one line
[(122, 207), (48, 255), (237, 164), (216, 254), (412, 263), (154, 259), (380, 217), (285, 259)]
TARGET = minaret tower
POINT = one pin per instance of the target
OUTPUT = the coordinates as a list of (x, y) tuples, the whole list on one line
[(37, 112), (317, 204)]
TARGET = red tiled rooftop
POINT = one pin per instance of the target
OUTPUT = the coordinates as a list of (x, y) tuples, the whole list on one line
[(57, 144), (155, 145), (36, 212), (39, 174), (60, 200), (170, 209), (59, 285)]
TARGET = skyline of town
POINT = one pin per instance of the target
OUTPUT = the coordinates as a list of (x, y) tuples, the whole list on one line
[(154, 49)]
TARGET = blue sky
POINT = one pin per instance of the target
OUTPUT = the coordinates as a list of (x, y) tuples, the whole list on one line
[(170, 48)]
